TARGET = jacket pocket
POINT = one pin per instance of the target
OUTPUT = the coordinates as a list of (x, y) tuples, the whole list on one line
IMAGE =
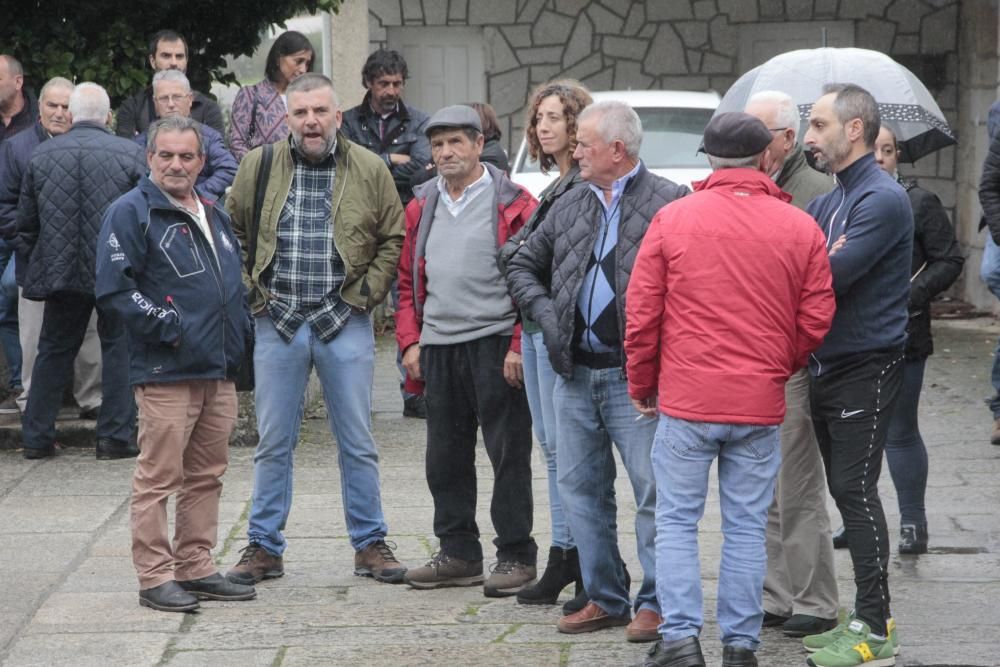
[(181, 252)]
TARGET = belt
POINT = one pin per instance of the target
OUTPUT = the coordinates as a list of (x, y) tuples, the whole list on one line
[(597, 360)]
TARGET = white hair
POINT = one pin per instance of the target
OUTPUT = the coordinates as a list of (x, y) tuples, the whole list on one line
[(717, 163), (616, 121), (88, 101), (54, 83), (786, 113), (172, 75)]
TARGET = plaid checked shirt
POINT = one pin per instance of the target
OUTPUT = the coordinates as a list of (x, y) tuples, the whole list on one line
[(307, 273)]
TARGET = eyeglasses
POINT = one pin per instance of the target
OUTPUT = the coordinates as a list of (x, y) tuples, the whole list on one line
[(777, 129), (174, 99)]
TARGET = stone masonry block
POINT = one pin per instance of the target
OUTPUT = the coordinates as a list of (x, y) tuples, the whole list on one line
[(906, 14), (551, 28), (939, 31), (624, 47), (875, 34), (482, 12), (579, 45), (605, 21), (666, 53), (636, 19), (509, 90), (740, 11), (670, 10), (499, 56), (387, 11), (693, 33)]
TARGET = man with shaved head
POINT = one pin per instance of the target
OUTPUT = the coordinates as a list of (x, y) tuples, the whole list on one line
[(18, 108)]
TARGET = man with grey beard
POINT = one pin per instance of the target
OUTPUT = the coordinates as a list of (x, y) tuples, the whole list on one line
[(325, 250)]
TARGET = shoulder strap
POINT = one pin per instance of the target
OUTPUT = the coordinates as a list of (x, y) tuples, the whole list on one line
[(253, 228), (253, 116)]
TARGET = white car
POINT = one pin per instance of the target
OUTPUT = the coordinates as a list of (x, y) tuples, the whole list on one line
[(673, 122)]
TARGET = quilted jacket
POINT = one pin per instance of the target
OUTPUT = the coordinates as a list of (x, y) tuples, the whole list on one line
[(562, 245), (14, 156), (70, 182)]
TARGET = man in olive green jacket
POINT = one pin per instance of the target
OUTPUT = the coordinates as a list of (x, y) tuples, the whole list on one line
[(800, 588), (327, 245)]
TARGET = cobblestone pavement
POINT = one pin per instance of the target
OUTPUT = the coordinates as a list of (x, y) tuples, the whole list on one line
[(69, 593)]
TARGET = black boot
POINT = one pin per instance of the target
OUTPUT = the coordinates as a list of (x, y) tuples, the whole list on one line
[(562, 570), (581, 599), (913, 538)]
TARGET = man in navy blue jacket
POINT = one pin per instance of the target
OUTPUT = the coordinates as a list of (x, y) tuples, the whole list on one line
[(169, 266), (857, 372)]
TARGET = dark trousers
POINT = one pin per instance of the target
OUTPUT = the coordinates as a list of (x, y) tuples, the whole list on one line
[(465, 390), (852, 405), (905, 450), (64, 326)]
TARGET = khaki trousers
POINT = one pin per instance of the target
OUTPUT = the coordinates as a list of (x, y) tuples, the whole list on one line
[(800, 574), (184, 430), (86, 368)]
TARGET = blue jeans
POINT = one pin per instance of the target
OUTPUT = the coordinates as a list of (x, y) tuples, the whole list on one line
[(593, 410), (989, 271), (905, 450), (749, 458), (346, 370), (9, 338), (539, 383)]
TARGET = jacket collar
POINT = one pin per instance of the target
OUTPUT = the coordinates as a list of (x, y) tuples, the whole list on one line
[(89, 125), (857, 171), (794, 163), (749, 181), (156, 199)]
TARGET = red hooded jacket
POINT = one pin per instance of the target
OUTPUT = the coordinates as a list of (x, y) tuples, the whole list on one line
[(730, 292)]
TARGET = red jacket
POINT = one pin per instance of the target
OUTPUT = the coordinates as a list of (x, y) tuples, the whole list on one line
[(514, 206), (730, 292)]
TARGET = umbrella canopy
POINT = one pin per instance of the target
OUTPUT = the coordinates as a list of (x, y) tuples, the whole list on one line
[(905, 104)]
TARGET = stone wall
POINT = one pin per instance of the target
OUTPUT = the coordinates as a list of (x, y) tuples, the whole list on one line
[(706, 44)]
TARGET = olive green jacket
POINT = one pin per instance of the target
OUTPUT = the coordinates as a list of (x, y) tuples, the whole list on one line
[(366, 215)]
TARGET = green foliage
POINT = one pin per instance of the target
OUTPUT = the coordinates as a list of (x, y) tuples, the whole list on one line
[(106, 40)]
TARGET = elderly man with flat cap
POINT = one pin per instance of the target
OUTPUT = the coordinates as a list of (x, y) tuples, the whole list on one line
[(730, 292), (458, 331)]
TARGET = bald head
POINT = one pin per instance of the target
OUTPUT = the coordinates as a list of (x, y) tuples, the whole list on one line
[(11, 82)]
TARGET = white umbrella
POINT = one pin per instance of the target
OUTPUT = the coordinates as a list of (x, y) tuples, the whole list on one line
[(905, 104)]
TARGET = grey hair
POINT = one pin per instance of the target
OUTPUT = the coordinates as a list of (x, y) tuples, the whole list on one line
[(53, 83), (786, 113), (173, 124), (616, 121), (309, 82), (852, 101), (172, 75), (88, 101), (718, 163)]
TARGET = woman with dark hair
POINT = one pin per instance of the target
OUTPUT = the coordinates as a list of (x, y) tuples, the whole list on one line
[(259, 110), (551, 136)]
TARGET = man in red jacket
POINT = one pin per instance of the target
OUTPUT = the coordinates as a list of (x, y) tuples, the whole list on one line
[(730, 293), (457, 329)]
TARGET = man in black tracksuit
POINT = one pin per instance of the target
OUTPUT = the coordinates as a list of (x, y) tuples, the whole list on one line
[(857, 372)]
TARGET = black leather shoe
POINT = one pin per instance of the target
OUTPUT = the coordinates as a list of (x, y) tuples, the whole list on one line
[(681, 653), (733, 656), (773, 620), (39, 452), (840, 538), (109, 448), (217, 587), (801, 625), (168, 597), (415, 407)]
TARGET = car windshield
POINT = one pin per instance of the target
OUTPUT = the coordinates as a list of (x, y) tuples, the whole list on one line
[(670, 139)]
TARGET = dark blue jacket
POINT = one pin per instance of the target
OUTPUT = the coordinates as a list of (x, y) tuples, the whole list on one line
[(185, 310), (14, 156), (220, 165), (871, 273)]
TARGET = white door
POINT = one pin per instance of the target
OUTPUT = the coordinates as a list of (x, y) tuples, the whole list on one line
[(446, 65)]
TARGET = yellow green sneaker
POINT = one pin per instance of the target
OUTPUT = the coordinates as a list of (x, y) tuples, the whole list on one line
[(855, 647), (813, 643)]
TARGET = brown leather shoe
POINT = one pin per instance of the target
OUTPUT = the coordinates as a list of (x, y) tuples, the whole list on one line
[(378, 562), (255, 564), (590, 619), (643, 627)]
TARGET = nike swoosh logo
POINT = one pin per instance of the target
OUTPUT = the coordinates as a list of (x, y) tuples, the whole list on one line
[(844, 414)]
